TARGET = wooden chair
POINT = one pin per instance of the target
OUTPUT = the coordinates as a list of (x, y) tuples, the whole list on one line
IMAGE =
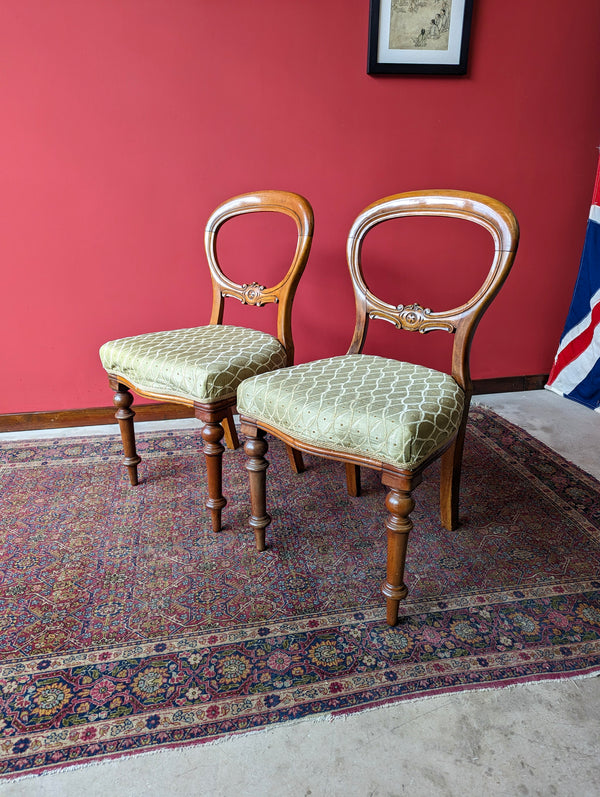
[(392, 416), (203, 366)]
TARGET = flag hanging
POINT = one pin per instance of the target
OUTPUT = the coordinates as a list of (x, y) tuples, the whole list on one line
[(576, 370)]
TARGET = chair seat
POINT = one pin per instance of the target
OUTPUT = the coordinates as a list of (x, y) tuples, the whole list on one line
[(393, 412), (203, 364)]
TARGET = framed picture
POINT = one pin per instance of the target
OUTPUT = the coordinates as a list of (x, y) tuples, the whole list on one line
[(422, 37)]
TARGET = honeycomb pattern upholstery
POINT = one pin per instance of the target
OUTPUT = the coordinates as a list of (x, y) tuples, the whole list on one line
[(394, 412), (204, 364)]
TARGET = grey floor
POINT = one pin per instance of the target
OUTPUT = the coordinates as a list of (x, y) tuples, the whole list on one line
[(538, 739)]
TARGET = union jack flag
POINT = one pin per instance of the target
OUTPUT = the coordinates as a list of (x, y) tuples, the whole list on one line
[(575, 373)]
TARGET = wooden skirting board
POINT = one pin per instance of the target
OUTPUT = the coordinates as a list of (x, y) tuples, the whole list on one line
[(94, 416), (508, 384)]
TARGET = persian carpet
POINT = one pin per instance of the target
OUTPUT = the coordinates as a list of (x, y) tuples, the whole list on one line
[(127, 625)]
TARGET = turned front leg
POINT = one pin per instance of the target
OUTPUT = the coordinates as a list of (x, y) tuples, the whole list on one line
[(125, 415), (212, 434), (399, 504), (256, 448)]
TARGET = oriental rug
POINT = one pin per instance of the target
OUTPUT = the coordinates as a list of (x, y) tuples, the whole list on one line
[(127, 625)]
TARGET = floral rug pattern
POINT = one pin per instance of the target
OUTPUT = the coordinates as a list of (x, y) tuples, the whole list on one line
[(127, 625)]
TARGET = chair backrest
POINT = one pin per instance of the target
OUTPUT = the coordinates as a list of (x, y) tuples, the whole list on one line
[(462, 321), (252, 293)]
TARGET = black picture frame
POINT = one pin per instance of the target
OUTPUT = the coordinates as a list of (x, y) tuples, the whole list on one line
[(399, 35)]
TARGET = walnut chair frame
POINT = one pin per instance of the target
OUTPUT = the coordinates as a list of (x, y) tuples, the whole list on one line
[(217, 416), (461, 322)]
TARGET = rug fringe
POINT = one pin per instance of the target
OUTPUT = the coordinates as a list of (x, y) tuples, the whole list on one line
[(461, 690)]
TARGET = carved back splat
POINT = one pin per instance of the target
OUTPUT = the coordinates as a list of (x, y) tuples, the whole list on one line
[(461, 321), (253, 294)]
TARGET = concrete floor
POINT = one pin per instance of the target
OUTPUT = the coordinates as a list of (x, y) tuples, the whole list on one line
[(538, 739)]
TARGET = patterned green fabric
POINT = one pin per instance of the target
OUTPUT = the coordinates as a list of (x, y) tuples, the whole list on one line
[(393, 412), (205, 364)]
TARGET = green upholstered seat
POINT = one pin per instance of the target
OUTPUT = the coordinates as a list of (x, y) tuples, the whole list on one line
[(394, 412), (203, 364)]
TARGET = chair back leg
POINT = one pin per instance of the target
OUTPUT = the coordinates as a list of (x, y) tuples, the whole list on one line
[(296, 459), (231, 436), (450, 472), (353, 479)]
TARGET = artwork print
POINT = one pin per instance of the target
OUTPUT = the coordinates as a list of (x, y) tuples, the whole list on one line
[(418, 24)]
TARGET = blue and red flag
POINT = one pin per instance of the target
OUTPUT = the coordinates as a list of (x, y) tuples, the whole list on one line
[(576, 370)]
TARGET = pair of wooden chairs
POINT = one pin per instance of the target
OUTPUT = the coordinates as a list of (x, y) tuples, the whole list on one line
[(381, 413)]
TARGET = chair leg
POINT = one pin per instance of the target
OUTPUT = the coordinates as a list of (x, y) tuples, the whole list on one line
[(353, 479), (451, 467), (212, 434), (125, 415), (256, 448), (231, 436), (295, 458), (399, 504)]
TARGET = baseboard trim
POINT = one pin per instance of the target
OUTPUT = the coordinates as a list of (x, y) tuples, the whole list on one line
[(163, 411), (94, 416), (509, 384)]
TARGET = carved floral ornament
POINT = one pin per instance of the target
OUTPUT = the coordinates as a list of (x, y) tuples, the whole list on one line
[(252, 294), (412, 317)]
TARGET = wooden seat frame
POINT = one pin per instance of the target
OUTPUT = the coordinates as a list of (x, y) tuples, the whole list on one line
[(217, 416), (461, 321)]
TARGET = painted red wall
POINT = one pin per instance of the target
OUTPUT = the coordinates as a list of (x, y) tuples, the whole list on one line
[(125, 122)]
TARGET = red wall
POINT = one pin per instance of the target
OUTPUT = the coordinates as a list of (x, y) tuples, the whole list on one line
[(125, 122)]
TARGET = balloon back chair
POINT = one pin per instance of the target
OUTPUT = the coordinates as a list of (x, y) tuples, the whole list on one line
[(365, 410), (203, 366)]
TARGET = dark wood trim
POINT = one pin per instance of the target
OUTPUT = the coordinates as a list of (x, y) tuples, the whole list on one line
[(163, 411), (94, 416), (509, 384)]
